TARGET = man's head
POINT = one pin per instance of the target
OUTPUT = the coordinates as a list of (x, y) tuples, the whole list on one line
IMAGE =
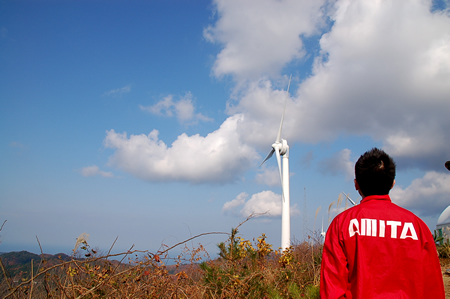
[(375, 173)]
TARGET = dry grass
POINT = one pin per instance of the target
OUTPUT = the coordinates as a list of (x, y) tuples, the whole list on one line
[(244, 269)]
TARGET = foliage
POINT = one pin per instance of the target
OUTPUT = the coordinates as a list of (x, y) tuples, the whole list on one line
[(138, 274), (243, 269), (438, 237), (442, 244), (444, 249), (246, 270)]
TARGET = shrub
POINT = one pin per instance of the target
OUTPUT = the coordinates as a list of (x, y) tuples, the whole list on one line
[(243, 269)]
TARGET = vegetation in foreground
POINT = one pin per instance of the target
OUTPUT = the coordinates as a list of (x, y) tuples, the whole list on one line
[(244, 269)]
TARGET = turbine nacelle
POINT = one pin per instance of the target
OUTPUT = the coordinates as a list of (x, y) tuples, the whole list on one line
[(281, 146)]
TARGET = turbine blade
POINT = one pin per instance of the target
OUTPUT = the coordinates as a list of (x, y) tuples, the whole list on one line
[(277, 151), (268, 157), (348, 197), (284, 110)]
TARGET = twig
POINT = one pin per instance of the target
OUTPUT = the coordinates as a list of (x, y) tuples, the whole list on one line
[(122, 259), (185, 241), (32, 282), (5, 274), (252, 215), (37, 275), (42, 252), (112, 247), (46, 286), (2, 225), (109, 278), (130, 252), (161, 252), (125, 254)]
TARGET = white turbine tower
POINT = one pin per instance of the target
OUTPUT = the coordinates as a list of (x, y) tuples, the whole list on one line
[(281, 148)]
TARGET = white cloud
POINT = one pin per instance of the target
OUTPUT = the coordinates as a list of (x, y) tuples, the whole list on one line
[(265, 202), (219, 157), (163, 107), (426, 196), (263, 108), (383, 72), (118, 91), (94, 170), (377, 77), (231, 206), (261, 36), (183, 109), (269, 176)]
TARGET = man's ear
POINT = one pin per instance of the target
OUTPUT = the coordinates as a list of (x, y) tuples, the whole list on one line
[(393, 184), (358, 189), (356, 185)]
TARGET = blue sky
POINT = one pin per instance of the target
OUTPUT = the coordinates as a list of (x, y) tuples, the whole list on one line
[(147, 120)]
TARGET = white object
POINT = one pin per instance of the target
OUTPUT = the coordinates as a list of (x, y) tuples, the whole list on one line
[(349, 199), (281, 148), (443, 224), (323, 234)]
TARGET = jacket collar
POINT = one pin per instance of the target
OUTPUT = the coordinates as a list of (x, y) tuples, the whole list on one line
[(385, 197)]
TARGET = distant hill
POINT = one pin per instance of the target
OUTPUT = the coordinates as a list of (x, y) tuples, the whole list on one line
[(19, 262)]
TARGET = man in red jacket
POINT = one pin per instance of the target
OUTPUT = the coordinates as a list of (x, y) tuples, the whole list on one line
[(378, 249)]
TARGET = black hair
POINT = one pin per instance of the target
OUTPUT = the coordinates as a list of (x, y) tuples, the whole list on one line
[(375, 172)]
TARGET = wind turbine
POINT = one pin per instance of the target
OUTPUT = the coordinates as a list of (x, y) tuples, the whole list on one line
[(349, 199), (281, 148), (323, 234)]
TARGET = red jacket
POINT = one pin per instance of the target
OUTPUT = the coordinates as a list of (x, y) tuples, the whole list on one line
[(380, 250)]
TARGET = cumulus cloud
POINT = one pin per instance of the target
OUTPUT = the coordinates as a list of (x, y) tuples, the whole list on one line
[(382, 71), (118, 91), (182, 109), (94, 170), (265, 202), (231, 206), (218, 157), (261, 36), (428, 196), (263, 107)]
